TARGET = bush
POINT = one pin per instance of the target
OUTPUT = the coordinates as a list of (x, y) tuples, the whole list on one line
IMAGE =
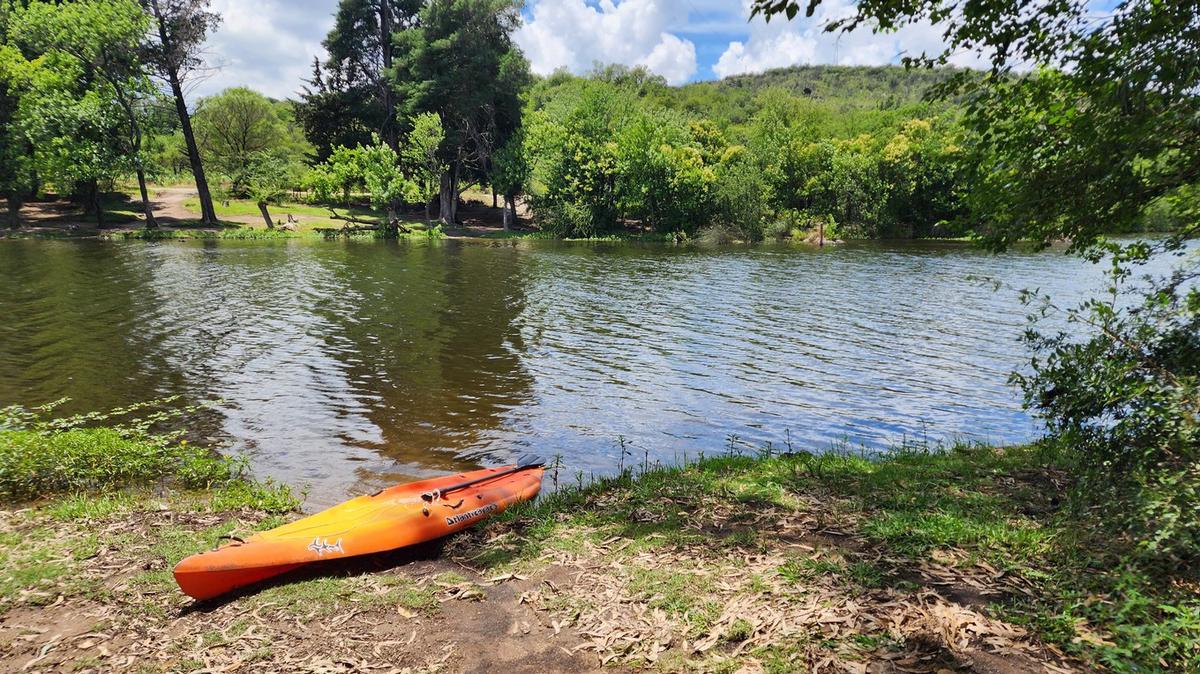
[(35, 464), (40, 457), (1125, 399)]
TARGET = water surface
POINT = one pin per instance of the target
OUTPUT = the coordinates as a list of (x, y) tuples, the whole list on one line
[(348, 365)]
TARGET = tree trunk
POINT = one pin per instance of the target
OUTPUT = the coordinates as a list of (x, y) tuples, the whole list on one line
[(493, 196), (428, 210), (14, 210), (262, 208), (208, 214), (151, 223), (508, 213), (512, 207), (388, 132), (392, 225), (98, 206), (448, 197)]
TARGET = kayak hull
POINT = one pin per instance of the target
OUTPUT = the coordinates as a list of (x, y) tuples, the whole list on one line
[(393, 518)]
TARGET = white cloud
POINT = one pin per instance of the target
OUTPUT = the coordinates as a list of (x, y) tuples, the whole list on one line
[(804, 41), (267, 45), (574, 35)]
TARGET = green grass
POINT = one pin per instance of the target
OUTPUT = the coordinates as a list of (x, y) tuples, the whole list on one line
[(967, 505), (193, 231), (40, 463), (246, 207)]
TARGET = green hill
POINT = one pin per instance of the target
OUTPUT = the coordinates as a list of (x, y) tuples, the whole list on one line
[(841, 88)]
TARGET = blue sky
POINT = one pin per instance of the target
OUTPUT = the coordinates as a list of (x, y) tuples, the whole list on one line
[(269, 44)]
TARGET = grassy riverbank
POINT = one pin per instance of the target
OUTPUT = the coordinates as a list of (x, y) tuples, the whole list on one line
[(971, 559)]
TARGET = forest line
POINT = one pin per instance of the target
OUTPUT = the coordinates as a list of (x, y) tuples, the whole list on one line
[(416, 103)]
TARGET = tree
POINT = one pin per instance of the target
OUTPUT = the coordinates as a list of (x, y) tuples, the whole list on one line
[(337, 176), (236, 124), (103, 36), (460, 63), (375, 167), (511, 170), (420, 155), (386, 183), (69, 109), (351, 96), (1102, 129), (269, 175), (14, 151), (173, 49)]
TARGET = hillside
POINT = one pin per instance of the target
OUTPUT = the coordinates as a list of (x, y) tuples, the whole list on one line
[(842, 88)]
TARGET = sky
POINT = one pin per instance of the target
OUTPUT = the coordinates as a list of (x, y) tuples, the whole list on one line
[(269, 45)]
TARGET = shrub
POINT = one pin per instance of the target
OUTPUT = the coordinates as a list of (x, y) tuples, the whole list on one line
[(1125, 399), (40, 457), (35, 464)]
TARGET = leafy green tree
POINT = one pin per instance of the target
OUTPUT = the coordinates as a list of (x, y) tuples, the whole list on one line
[(460, 63), (173, 48), (269, 176), (350, 96), (337, 176), (75, 96), (574, 158), (236, 124), (925, 177), (510, 174), (14, 150), (421, 156), (104, 37), (386, 183), (742, 195), (664, 179)]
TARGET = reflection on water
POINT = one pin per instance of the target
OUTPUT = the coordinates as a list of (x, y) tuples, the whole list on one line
[(348, 365)]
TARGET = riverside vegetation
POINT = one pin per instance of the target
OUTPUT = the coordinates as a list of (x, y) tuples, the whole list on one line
[(383, 138), (771, 558)]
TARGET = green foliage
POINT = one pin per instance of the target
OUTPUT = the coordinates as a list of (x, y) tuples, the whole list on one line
[(76, 81), (385, 182), (461, 64), (42, 457), (610, 150), (1125, 397), (338, 176), (374, 167), (236, 125), (420, 154), (270, 175)]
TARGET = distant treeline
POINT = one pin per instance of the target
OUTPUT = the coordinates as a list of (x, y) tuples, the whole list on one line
[(415, 103)]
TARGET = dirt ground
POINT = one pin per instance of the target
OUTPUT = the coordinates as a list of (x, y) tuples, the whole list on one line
[(60, 217), (770, 590)]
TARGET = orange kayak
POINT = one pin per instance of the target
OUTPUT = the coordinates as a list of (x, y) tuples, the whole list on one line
[(396, 517)]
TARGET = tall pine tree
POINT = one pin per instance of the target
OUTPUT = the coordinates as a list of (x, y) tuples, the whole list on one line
[(350, 96)]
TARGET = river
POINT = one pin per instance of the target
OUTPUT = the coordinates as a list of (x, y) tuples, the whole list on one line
[(345, 366)]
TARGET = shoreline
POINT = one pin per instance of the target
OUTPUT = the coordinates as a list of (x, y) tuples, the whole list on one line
[(966, 559)]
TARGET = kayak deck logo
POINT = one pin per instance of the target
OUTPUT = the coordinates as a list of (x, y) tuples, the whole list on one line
[(470, 514), (322, 546)]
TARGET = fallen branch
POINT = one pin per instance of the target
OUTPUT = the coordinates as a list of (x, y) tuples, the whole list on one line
[(359, 225)]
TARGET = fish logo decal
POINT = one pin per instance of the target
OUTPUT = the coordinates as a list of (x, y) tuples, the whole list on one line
[(322, 546)]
